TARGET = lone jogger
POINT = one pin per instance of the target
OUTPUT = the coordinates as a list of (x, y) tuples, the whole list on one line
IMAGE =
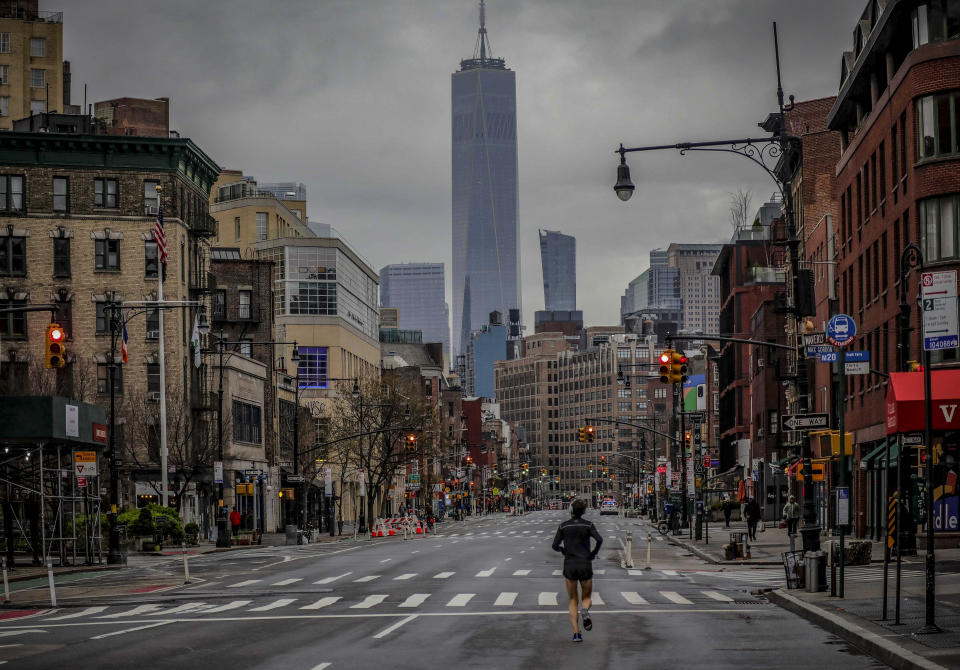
[(573, 541)]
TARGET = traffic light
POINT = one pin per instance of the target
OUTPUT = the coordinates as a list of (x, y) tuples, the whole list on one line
[(411, 442), (55, 351), (665, 360), (914, 366), (591, 434), (583, 434), (678, 368), (469, 460)]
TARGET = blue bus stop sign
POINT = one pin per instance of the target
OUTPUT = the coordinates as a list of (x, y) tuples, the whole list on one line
[(841, 329)]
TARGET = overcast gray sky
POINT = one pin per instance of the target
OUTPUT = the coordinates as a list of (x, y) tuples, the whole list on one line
[(352, 97)]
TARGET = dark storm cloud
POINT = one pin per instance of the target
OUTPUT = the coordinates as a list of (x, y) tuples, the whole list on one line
[(353, 99)]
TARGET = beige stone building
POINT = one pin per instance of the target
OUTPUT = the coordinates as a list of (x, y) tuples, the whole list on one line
[(31, 61)]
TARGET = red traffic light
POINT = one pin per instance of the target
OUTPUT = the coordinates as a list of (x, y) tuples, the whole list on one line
[(683, 359), (665, 357), (56, 334)]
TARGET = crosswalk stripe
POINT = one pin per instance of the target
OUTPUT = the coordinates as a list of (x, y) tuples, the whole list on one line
[(407, 575), (323, 602), (444, 575), (675, 597), (669, 573), (287, 582), (247, 582), (595, 599), (635, 573), (327, 580), (634, 598), (368, 578), (283, 602), (557, 573), (599, 572), (83, 612), (186, 607), (505, 599), (369, 601), (521, 573), (718, 596), (139, 609), (415, 600), (236, 604), (485, 573), (460, 600), (547, 598)]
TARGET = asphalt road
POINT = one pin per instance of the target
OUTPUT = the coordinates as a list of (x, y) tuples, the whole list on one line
[(485, 594)]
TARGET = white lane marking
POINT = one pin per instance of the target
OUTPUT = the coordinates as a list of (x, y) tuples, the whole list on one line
[(521, 573), (322, 666), (283, 602), (639, 573), (718, 596), (444, 575), (292, 580), (327, 580), (675, 597), (634, 598), (557, 573), (186, 607), (671, 573), (472, 533), (415, 600), (8, 633), (460, 600), (408, 575), (130, 630), (236, 604), (547, 598), (323, 602), (417, 551), (389, 629), (523, 551), (368, 578), (505, 599), (246, 582), (139, 609), (510, 558), (485, 573), (387, 560), (595, 598), (603, 572), (83, 612), (369, 602)]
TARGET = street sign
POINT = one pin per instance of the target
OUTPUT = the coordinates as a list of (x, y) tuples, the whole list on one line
[(829, 357), (912, 439), (938, 298), (328, 481), (694, 417), (804, 421), (857, 356), (362, 480), (295, 478), (811, 339), (856, 368), (815, 350), (218, 472), (81, 482), (413, 481), (841, 329), (85, 463), (99, 433), (843, 505)]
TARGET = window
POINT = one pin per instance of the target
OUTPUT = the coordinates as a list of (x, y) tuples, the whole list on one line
[(623, 352), (220, 303), (105, 193), (4, 105), (151, 263), (4, 43), (61, 257), (103, 319), (4, 74), (246, 347), (38, 47), (623, 393), (107, 254), (938, 228), (236, 227), (103, 378), (37, 107), (261, 226), (38, 78), (13, 324), (246, 422), (151, 199), (60, 191), (935, 21), (13, 256), (312, 367), (11, 193), (243, 309), (153, 324), (936, 125), (153, 378)]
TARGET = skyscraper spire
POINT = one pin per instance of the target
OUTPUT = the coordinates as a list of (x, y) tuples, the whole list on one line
[(483, 44)]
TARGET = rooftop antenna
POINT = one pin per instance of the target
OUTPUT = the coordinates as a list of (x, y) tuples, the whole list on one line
[(483, 44)]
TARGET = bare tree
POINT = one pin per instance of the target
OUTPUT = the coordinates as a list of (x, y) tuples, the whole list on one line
[(739, 209)]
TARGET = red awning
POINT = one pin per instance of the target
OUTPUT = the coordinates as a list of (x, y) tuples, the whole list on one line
[(905, 401)]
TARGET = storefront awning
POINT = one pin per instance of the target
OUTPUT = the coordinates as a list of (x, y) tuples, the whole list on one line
[(876, 453), (905, 400)]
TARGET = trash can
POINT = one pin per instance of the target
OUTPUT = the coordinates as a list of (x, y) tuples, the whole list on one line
[(815, 567), (291, 533)]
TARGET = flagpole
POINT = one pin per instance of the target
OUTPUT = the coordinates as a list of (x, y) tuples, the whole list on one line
[(162, 266)]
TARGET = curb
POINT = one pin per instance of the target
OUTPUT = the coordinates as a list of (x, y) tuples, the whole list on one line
[(716, 561), (876, 645)]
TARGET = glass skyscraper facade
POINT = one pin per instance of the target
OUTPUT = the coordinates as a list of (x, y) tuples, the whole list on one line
[(417, 291), (486, 261), (558, 257)]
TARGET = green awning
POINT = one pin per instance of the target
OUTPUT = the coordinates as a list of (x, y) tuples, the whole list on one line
[(877, 457), (784, 462), (876, 453)]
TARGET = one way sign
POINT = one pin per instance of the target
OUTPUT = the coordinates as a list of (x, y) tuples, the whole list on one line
[(804, 421)]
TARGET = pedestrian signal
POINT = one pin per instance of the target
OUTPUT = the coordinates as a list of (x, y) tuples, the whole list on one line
[(55, 350)]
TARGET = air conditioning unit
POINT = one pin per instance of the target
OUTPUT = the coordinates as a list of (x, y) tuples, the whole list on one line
[(759, 362), (153, 334), (150, 210), (153, 396)]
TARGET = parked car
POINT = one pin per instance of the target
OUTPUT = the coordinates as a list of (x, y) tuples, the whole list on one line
[(609, 507)]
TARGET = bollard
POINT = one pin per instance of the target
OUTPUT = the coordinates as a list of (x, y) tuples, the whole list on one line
[(186, 567), (649, 542), (629, 548), (53, 589), (6, 584)]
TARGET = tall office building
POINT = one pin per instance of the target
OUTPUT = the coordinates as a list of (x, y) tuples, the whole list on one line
[(699, 288), (558, 257), (486, 262), (417, 291), (31, 61)]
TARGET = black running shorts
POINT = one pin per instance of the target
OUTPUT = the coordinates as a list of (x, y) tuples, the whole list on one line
[(577, 571)]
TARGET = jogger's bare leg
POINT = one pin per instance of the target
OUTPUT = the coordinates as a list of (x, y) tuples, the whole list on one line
[(586, 589), (572, 593)]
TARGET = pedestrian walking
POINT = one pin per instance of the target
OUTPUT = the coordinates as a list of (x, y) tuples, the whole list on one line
[(791, 513), (727, 511), (573, 541), (235, 519), (752, 511)]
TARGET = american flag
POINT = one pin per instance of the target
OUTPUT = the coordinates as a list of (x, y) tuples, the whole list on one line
[(159, 236), (123, 346)]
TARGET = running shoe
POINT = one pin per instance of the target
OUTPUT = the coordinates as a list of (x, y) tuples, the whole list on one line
[(587, 621), (577, 637)]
